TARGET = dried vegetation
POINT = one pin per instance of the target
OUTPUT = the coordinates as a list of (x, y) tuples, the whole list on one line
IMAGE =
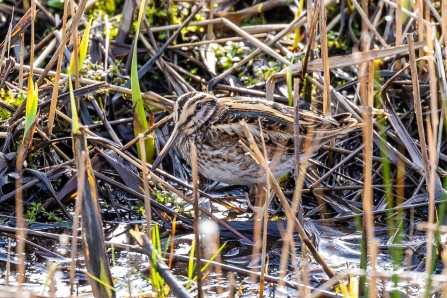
[(365, 215)]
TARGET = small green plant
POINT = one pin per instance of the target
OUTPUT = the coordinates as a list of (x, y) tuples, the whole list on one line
[(192, 264), (230, 53), (37, 209), (164, 197), (12, 99), (34, 211), (157, 281)]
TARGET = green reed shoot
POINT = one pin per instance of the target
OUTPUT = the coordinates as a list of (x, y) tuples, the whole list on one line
[(31, 106), (83, 46), (157, 281), (191, 263), (74, 113), (52, 268), (139, 115)]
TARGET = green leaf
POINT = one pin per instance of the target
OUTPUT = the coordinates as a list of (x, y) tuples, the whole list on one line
[(191, 264), (31, 105), (83, 46), (74, 113), (139, 115)]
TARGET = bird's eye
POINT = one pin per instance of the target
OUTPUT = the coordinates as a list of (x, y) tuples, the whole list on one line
[(198, 106)]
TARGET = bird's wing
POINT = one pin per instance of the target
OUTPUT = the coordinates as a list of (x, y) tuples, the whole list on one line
[(277, 122)]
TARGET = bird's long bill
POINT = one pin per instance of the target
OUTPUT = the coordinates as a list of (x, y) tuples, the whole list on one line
[(176, 134)]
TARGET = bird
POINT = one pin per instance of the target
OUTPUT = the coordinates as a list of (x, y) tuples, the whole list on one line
[(214, 126)]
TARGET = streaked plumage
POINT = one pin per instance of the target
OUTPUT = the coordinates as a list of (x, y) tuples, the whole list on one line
[(213, 124)]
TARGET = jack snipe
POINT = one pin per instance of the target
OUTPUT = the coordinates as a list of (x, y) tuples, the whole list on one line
[(213, 124)]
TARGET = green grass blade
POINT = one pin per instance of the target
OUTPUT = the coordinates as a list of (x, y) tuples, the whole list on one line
[(31, 105), (83, 46), (213, 257), (140, 122), (74, 113), (191, 260)]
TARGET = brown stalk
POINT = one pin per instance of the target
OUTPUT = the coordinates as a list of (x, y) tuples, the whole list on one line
[(172, 189), (365, 20), (209, 33), (195, 192), (8, 263), (20, 66), (74, 23), (96, 259), (288, 210), (299, 178), (299, 21), (75, 56), (419, 5), (417, 104), (149, 97), (221, 40), (398, 29), (265, 194), (7, 41), (368, 219), (310, 44), (147, 200), (431, 134), (325, 57), (256, 42), (57, 76), (444, 20), (21, 155), (31, 57), (21, 223), (74, 233)]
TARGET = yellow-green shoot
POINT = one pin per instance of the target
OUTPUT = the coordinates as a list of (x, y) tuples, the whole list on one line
[(83, 46), (74, 112), (31, 106)]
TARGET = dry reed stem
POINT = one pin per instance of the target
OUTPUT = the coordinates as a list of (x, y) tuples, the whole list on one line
[(54, 96), (20, 66), (431, 137), (75, 56), (147, 200), (7, 41), (74, 23), (31, 56), (288, 210), (8, 264), (371, 27), (221, 40), (325, 57), (417, 103), (81, 181), (166, 185), (265, 48), (299, 21), (398, 29), (263, 218), (299, 178), (209, 33), (195, 192), (367, 176)]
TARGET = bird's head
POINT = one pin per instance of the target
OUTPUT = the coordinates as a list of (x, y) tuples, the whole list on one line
[(192, 111)]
